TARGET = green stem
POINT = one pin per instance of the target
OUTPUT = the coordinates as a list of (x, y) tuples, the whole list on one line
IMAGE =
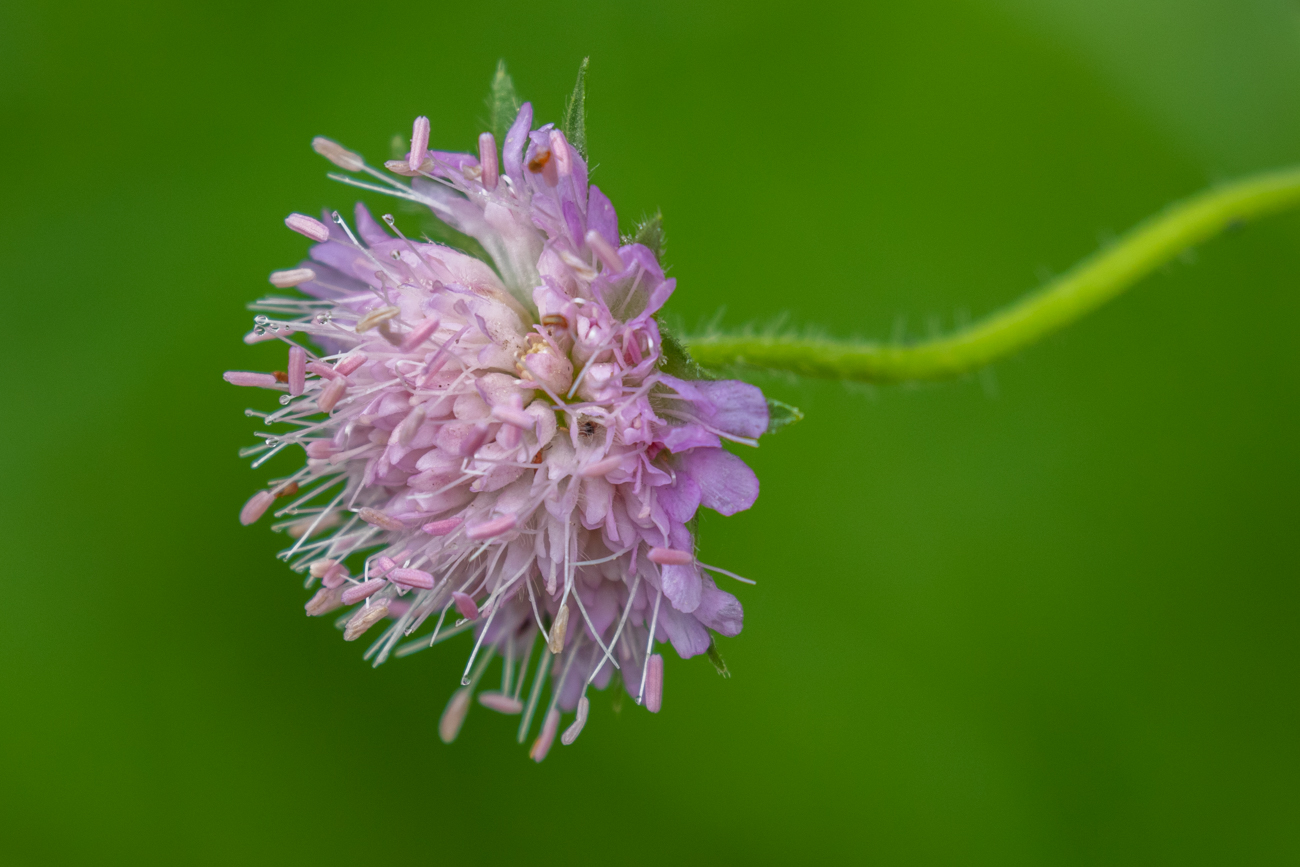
[(1087, 286)]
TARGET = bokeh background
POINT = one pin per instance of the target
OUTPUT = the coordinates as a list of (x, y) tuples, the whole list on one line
[(1044, 615)]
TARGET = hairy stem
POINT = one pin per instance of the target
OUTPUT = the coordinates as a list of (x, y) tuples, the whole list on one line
[(1088, 285)]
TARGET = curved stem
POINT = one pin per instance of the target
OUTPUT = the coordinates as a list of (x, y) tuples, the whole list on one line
[(1088, 285)]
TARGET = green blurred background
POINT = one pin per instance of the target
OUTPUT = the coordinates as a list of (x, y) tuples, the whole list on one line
[(1046, 615)]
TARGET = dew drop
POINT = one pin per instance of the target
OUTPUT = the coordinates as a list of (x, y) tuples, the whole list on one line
[(260, 319), (284, 399), (464, 681)]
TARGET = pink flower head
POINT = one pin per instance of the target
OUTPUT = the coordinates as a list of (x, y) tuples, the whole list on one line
[(500, 442)]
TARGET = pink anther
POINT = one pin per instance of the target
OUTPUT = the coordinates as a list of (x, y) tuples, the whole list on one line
[(671, 557), (443, 527), (605, 250), (256, 507), (420, 333), (600, 468), (487, 160), (350, 363), (494, 527), (542, 745), (654, 683), (322, 370), (243, 377), (305, 225), (417, 578), (465, 605), (419, 143), (331, 394), (500, 702), (292, 277), (297, 370), (357, 592)]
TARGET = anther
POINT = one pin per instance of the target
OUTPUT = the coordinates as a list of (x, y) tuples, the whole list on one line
[(420, 333), (558, 628), (241, 377), (412, 578), (331, 394), (465, 605), (654, 683), (363, 620), (671, 557), (297, 370), (256, 507), (351, 363), (500, 702), (487, 158), (292, 277), (305, 225), (325, 601), (419, 143), (374, 317), (542, 745), (605, 250), (556, 319), (287, 491), (337, 154), (357, 592), (380, 519), (321, 369), (600, 468), (454, 715), (443, 527), (571, 733), (488, 529), (407, 428)]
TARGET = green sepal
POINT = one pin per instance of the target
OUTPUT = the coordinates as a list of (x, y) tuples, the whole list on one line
[(502, 103), (780, 414), (574, 120), (716, 659), (675, 360), (650, 234)]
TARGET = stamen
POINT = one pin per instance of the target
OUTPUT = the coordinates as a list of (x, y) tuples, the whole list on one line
[(600, 468), (322, 370), (243, 377), (602, 248), (297, 369), (560, 148), (292, 277), (331, 394), (374, 317), (337, 154), (419, 143), (420, 333), (454, 716), (357, 592), (500, 703), (379, 519), (489, 529), (542, 745), (256, 507), (558, 628), (350, 363), (571, 733), (654, 687), (443, 527), (325, 601), (305, 225), (487, 158), (465, 605), (670, 557), (364, 619), (412, 578)]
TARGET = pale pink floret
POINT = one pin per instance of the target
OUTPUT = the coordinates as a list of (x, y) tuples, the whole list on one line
[(503, 440)]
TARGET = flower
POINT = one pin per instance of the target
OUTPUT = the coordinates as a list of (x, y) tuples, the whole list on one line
[(507, 443)]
